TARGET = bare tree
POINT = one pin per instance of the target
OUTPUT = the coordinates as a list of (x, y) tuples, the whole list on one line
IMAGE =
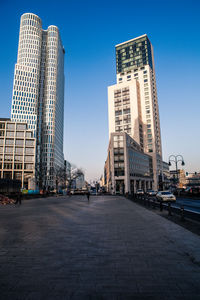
[(60, 175), (71, 176)]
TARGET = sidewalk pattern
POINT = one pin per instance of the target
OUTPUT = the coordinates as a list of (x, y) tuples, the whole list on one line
[(110, 248)]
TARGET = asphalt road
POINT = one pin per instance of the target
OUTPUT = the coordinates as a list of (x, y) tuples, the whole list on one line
[(110, 248), (188, 203)]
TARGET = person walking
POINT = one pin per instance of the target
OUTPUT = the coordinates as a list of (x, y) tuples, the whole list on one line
[(88, 196), (18, 199)]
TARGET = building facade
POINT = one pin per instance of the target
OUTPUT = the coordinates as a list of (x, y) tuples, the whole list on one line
[(38, 93), (178, 178), (127, 167), (17, 151), (132, 102)]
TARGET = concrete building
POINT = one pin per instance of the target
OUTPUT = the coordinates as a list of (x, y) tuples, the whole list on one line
[(17, 151), (165, 177), (127, 167), (132, 102), (38, 93), (178, 178), (193, 179), (80, 182)]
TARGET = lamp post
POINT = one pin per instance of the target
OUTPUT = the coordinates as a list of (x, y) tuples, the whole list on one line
[(176, 159)]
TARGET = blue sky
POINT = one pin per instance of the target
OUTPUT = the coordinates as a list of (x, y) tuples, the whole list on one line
[(90, 30)]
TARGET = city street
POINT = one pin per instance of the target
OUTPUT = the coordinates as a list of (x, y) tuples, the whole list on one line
[(188, 203), (109, 248)]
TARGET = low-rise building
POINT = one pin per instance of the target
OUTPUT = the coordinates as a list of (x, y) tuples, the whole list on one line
[(17, 151), (127, 167), (177, 177), (192, 179)]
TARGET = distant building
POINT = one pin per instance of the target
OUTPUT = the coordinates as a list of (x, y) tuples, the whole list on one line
[(164, 178), (127, 167), (17, 152), (193, 179), (178, 178), (80, 182), (132, 101)]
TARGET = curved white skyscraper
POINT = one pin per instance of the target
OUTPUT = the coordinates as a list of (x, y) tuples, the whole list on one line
[(38, 93)]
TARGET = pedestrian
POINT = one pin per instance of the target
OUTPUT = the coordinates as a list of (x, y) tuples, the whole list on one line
[(88, 196), (18, 199)]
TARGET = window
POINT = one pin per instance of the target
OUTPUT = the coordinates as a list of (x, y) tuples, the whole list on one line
[(9, 142), (20, 134), (2, 125), (29, 143), (18, 166), (126, 111), (118, 112), (7, 166), (19, 142), (18, 158), (21, 126), (11, 126), (8, 150)]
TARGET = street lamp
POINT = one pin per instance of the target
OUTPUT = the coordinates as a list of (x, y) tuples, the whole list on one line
[(177, 158)]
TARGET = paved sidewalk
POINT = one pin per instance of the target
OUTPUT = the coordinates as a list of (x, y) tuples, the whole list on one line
[(111, 248)]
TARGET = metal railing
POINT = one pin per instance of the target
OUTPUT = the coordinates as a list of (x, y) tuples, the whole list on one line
[(152, 203)]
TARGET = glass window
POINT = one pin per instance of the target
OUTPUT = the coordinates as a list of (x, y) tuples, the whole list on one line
[(20, 134), (10, 126), (18, 158), (9, 142), (2, 125), (19, 150), (8, 150), (29, 151), (10, 133), (28, 134), (8, 157), (19, 142), (21, 126)]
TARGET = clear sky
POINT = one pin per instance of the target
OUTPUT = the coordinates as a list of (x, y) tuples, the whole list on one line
[(89, 31)]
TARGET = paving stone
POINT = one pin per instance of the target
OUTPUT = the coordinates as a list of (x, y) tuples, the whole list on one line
[(111, 248)]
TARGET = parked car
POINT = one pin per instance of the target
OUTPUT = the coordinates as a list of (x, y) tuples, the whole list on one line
[(151, 193), (139, 192), (165, 196)]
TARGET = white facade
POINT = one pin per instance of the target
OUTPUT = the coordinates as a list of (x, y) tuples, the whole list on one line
[(127, 167), (38, 92), (136, 75)]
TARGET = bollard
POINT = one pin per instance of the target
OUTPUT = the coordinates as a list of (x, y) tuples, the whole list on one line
[(154, 204), (182, 214), (169, 209), (161, 206)]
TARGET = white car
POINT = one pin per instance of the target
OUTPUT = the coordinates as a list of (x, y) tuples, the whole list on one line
[(139, 192), (165, 196)]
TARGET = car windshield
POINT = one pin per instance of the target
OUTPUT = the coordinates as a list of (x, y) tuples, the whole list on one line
[(166, 193)]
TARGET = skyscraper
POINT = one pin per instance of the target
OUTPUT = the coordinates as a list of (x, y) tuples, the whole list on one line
[(38, 93), (132, 102)]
